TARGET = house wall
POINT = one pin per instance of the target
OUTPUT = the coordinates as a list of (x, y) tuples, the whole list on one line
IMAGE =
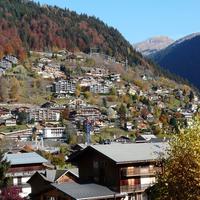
[(54, 195), (64, 179), (25, 191), (24, 168), (99, 169), (147, 180), (20, 174)]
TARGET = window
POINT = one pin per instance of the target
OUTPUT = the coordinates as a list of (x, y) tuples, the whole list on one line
[(95, 164), (19, 180)]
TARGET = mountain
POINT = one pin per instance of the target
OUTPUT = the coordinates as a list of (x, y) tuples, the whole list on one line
[(25, 25), (182, 58), (152, 45)]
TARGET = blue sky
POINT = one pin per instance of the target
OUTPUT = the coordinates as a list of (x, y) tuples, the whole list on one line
[(140, 19)]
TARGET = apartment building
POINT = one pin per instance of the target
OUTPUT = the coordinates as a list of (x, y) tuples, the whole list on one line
[(53, 133), (64, 86), (99, 88), (43, 114)]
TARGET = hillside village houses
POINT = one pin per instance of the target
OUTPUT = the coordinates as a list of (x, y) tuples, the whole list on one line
[(112, 171), (7, 62), (117, 167)]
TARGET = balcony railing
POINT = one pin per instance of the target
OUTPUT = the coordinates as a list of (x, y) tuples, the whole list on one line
[(139, 171), (134, 188), (23, 173)]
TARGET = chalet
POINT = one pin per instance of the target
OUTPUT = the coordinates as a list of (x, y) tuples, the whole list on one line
[(4, 64), (5, 113), (76, 103), (145, 138), (11, 122), (11, 59), (77, 191), (115, 77), (46, 178), (123, 139), (112, 114), (97, 72), (109, 171), (128, 126), (123, 168), (22, 167), (64, 184), (87, 81)]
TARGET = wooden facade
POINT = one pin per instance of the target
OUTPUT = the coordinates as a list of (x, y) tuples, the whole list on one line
[(132, 178)]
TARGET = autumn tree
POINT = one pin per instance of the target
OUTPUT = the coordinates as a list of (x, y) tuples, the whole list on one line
[(14, 89), (122, 113), (4, 93), (78, 91), (180, 177)]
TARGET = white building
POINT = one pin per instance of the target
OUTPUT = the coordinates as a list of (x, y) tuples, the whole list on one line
[(64, 86), (44, 114), (99, 88), (55, 133)]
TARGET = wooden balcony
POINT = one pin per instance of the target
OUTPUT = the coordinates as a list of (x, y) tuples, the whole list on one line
[(134, 188), (125, 172)]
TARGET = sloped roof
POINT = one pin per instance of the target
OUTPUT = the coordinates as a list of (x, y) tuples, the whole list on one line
[(145, 137), (53, 175), (25, 158), (134, 152), (126, 153), (84, 191)]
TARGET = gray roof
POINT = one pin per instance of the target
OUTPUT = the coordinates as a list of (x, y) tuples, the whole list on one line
[(52, 175), (134, 152), (84, 191), (25, 158), (74, 171)]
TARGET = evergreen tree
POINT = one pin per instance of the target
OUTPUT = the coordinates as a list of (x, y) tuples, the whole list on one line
[(4, 166)]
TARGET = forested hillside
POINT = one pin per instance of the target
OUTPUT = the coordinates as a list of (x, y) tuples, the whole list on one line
[(25, 25), (182, 58)]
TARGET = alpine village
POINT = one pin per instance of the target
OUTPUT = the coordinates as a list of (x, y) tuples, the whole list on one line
[(85, 115)]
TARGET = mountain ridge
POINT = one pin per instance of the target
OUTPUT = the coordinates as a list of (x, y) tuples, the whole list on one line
[(153, 44), (182, 58)]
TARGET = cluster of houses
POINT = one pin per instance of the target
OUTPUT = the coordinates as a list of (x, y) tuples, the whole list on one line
[(7, 62), (117, 168), (95, 80), (102, 171)]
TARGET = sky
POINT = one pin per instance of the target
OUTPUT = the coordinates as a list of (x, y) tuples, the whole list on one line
[(138, 20)]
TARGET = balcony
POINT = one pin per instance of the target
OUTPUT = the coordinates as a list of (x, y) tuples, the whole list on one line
[(125, 172), (22, 173), (134, 188)]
